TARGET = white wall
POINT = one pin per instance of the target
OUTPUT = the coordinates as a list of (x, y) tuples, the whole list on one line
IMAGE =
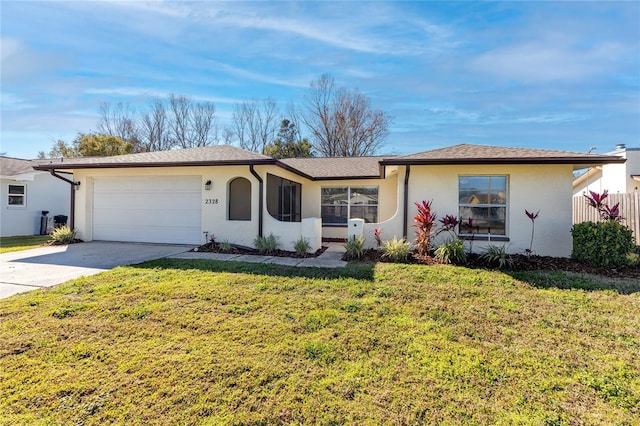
[(547, 188), (44, 192)]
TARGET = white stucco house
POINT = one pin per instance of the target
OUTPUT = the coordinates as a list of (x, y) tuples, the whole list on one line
[(25, 193), (181, 196), (617, 178)]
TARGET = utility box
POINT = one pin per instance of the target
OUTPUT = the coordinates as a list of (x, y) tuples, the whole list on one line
[(355, 228)]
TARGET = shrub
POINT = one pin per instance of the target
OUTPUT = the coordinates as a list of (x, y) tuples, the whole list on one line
[(396, 250), (302, 246), (266, 245), (355, 248), (63, 235), (603, 244), (496, 256), (451, 251)]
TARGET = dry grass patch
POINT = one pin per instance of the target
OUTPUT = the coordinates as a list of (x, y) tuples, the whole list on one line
[(197, 342)]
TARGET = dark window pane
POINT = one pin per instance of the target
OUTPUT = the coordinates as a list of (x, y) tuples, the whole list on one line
[(240, 199), (16, 200), (368, 213), (334, 214), (16, 189)]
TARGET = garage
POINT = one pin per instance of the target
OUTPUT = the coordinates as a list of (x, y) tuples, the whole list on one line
[(149, 209)]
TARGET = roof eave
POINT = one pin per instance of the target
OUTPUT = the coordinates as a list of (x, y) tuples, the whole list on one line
[(62, 166), (582, 161)]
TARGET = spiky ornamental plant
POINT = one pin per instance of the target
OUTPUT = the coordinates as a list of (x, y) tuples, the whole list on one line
[(533, 217), (424, 224), (469, 225), (449, 223)]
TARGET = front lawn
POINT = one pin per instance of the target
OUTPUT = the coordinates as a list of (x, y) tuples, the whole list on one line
[(205, 342), (9, 244)]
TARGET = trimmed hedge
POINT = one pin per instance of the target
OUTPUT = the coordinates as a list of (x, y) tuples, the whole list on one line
[(602, 244)]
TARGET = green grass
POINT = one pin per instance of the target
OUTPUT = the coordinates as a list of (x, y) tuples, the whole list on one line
[(204, 342), (9, 244)]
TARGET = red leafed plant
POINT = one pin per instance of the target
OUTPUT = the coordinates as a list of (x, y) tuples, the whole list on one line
[(606, 212), (533, 216), (377, 234), (424, 223), (449, 222)]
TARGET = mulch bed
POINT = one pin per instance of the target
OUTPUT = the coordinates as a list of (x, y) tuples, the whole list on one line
[(521, 262), (58, 243), (215, 248)]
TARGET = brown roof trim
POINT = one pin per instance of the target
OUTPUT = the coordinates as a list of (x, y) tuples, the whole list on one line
[(63, 166), (505, 160)]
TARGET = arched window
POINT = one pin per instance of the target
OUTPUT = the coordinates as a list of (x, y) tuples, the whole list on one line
[(240, 199)]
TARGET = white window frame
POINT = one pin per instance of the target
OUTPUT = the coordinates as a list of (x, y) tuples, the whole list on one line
[(23, 195), (348, 189), (463, 232)]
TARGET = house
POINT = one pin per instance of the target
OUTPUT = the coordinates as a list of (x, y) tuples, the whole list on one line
[(26, 193), (617, 178), (185, 196)]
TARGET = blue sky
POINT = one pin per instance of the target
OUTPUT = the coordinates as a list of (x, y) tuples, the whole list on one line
[(557, 75)]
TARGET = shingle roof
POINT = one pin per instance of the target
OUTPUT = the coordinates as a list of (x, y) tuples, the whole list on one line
[(334, 167), (210, 155), (482, 154), (14, 166)]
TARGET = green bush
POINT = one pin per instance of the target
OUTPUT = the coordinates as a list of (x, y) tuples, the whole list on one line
[(451, 251), (396, 250), (496, 256), (302, 246), (602, 244), (63, 235), (355, 248), (266, 245)]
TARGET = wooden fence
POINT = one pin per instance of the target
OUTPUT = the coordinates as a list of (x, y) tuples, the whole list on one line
[(629, 210)]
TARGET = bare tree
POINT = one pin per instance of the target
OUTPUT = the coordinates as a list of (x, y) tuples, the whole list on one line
[(118, 120), (227, 136), (154, 128), (203, 124), (255, 123), (341, 121), (180, 112)]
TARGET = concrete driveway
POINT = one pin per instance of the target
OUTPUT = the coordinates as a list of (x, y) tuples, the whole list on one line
[(47, 266)]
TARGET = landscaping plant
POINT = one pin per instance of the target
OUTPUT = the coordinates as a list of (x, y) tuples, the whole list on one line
[(302, 246), (424, 223), (496, 256), (355, 248), (451, 251), (63, 235), (602, 244), (396, 250), (225, 246), (377, 234), (266, 245), (533, 217)]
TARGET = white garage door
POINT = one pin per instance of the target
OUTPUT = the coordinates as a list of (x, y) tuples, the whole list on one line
[(154, 209)]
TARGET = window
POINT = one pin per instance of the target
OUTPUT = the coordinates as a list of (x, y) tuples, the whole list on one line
[(484, 199), (240, 199), (284, 199), (17, 195), (338, 204)]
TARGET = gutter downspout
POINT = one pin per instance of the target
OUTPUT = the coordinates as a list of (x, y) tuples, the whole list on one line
[(406, 200), (72, 214), (260, 199)]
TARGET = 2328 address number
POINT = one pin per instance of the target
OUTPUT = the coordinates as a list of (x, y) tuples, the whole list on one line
[(211, 201)]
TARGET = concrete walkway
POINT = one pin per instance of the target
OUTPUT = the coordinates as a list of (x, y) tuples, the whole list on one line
[(331, 258)]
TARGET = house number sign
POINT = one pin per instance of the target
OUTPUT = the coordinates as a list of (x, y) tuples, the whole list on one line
[(211, 201)]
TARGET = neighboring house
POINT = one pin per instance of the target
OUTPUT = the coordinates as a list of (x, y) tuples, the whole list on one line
[(617, 178), (25, 193), (183, 196)]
